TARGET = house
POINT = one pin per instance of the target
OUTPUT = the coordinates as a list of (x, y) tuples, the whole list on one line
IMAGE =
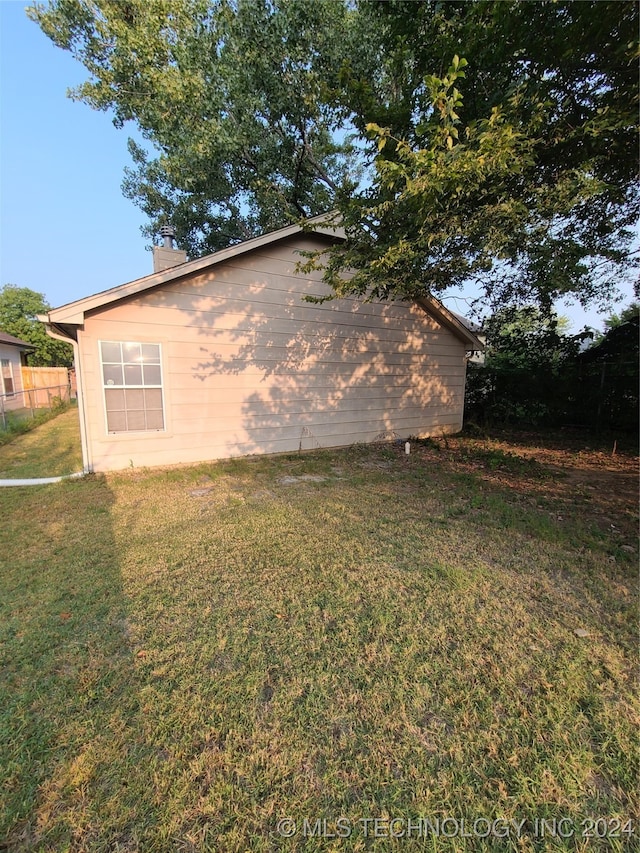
[(13, 353), (222, 356)]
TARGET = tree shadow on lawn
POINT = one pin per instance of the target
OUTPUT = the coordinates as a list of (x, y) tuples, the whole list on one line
[(71, 717), (569, 479), (567, 440)]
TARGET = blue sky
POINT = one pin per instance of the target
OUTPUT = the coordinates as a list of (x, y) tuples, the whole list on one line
[(66, 230)]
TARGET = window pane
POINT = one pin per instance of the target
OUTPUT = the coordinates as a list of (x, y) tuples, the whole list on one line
[(111, 351), (151, 352), (133, 374), (152, 374), (131, 352), (153, 398), (112, 374), (7, 377), (135, 420), (116, 421), (155, 419), (134, 399), (114, 398)]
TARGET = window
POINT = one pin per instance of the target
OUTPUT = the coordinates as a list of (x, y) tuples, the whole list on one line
[(132, 380), (7, 376)]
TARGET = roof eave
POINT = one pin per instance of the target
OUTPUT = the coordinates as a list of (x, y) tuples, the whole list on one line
[(434, 307), (18, 344)]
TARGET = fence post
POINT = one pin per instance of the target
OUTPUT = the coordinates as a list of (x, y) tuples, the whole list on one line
[(4, 417)]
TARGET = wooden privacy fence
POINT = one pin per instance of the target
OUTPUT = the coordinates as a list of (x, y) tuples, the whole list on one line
[(42, 378)]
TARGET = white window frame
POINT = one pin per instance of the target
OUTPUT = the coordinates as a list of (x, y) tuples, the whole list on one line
[(124, 387), (8, 361)]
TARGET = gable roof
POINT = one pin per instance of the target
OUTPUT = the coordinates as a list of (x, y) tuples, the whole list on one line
[(9, 340), (68, 317)]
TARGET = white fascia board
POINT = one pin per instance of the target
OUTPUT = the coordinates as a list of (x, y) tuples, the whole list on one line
[(434, 307)]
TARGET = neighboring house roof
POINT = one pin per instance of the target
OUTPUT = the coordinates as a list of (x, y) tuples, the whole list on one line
[(9, 340), (68, 317)]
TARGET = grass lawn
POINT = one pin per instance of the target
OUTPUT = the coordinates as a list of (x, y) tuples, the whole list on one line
[(49, 450), (192, 655)]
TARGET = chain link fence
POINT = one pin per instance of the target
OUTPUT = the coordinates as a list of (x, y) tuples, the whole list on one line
[(23, 405)]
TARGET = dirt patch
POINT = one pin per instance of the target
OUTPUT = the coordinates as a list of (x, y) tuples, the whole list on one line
[(559, 472), (302, 478)]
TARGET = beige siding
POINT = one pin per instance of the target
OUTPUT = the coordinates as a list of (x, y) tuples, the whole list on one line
[(250, 367), (15, 400)]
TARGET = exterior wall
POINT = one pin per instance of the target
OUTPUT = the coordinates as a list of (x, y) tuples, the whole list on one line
[(249, 367), (16, 401)]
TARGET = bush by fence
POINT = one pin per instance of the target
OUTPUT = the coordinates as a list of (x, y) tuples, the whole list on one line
[(595, 395), (536, 376)]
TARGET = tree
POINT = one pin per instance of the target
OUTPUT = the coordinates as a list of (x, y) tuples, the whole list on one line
[(19, 307), (500, 137), (230, 94), (528, 375), (515, 167), (629, 314), (610, 370)]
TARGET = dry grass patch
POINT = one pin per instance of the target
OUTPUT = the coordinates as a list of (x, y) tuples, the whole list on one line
[(192, 655)]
